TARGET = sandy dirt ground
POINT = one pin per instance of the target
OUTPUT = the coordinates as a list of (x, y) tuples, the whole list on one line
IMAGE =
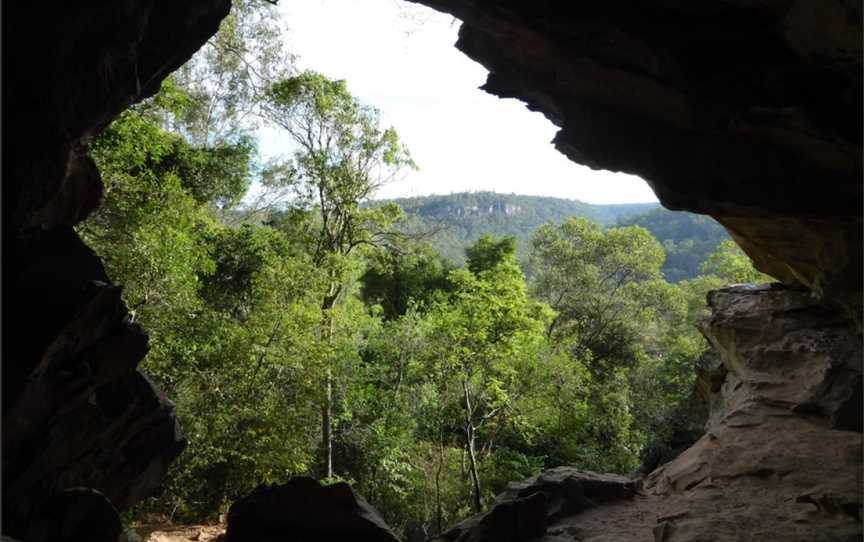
[(178, 533)]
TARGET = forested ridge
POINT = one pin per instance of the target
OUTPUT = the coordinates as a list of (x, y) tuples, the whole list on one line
[(312, 332), (455, 221)]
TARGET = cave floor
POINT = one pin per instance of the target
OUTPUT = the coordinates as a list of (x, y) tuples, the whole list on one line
[(177, 533)]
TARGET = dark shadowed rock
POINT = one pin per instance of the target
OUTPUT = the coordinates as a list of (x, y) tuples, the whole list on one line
[(77, 67), (76, 412), (516, 520), (569, 490), (73, 515), (525, 509), (303, 509)]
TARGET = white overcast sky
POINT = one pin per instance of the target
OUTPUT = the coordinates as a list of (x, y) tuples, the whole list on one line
[(400, 58)]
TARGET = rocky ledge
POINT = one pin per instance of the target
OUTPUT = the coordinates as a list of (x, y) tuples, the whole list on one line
[(782, 455), (781, 458)]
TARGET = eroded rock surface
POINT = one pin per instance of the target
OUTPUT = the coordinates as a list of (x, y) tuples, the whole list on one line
[(781, 458), (303, 509), (748, 111)]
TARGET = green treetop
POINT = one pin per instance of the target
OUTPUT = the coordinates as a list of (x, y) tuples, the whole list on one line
[(343, 157)]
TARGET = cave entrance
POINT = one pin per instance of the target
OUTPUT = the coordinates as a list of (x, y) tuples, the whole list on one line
[(320, 334)]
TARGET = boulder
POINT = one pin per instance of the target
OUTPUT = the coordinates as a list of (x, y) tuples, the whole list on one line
[(514, 520), (569, 490), (524, 510), (303, 509)]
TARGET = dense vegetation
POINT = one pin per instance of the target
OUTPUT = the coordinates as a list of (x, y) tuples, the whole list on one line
[(687, 238), (316, 337)]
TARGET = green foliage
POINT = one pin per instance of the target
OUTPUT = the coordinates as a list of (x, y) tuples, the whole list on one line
[(730, 264), (631, 330), (219, 174), (237, 284), (487, 253), (344, 157), (225, 80), (395, 281), (149, 229), (482, 346), (600, 283), (687, 238)]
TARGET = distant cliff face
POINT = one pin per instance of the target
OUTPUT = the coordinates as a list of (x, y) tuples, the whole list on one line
[(460, 219), (504, 208), (539, 208)]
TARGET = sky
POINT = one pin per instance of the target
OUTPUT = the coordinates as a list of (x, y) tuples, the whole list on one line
[(400, 58)]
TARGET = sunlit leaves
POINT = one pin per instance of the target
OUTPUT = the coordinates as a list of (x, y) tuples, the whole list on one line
[(731, 264), (345, 156)]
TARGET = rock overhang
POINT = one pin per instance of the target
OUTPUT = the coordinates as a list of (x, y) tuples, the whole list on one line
[(750, 112)]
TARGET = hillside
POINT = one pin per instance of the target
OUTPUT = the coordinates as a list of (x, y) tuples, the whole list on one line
[(460, 219)]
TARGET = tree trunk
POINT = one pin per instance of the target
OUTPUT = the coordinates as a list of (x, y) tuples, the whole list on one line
[(327, 427), (327, 406), (438, 512), (469, 442)]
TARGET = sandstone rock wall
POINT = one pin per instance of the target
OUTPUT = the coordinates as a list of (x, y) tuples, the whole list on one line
[(782, 456)]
